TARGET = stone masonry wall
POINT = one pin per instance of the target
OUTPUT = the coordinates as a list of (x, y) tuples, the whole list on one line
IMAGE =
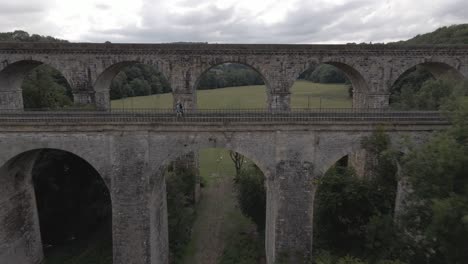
[(131, 159), (90, 68)]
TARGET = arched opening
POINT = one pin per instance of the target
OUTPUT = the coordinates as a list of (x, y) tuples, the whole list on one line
[(231, 86), (226, 223), (30, 84), (56, 208), (328, 85), (354, 214), (429, 86), (133, 85)]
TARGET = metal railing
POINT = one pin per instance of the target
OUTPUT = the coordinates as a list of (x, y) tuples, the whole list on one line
[(220, 115)]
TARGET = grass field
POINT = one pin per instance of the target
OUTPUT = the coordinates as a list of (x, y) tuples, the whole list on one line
[(304, 94), (216, 161), (465, 102)]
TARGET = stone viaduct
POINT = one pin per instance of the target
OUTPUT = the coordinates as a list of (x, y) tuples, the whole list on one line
[(131, 156), (90, 68)]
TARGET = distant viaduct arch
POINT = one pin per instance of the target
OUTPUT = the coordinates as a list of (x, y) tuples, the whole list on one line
[(89, 68)]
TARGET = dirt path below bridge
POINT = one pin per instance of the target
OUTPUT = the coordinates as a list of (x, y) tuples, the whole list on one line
[(209, 232)]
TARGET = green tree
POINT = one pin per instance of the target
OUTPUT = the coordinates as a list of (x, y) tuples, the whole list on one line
[(42, 90), (251, 195), (437, 217), (180, 182)]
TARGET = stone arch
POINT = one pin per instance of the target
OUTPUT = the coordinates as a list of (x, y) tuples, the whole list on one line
[(355, 75), (241, 151), (360, 85), (104, 78), (20, 234), (83, 153), (158, 204), (12, 77), (340, 150), (437, 68), (400, 141), (254, 147), (218, 63), (252, 66)]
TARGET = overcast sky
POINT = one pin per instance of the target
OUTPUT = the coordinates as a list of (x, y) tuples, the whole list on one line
[(231, 21)]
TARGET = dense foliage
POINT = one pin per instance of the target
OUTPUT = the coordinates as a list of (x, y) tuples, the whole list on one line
[(455, 34), (23, 36), (349, 208), (417, 89), (432, 228), (324, 73), (251, 195), (180, 183), (44, 86), (138, 80), (430, 94), (244, 248), (437, 217), (229, 75)]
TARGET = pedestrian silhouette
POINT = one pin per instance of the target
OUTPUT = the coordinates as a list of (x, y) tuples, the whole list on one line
[(179, 109)]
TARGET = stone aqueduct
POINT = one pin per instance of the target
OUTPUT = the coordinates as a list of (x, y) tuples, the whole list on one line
[(90, 68), (131, 156)]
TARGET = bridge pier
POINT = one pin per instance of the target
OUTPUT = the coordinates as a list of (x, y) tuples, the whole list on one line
[(134, 238), (290, 213), (83, 97), (188, 100), (370, 100), (20, 236), (279, 101), (11, 99), (99, 99), (403, 192)]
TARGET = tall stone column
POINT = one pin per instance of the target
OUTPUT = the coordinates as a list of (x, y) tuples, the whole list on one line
[(134, 238), (100, 99), (362, 161), (87, 88), (359, 100), (20, 236), (188, 100), (182, 77), (290, 213), (279, 78), (372, 100), (11, 99), (279, 101), (185, 93), (83, 97), (403, 193), (159, 221), (381, 100)]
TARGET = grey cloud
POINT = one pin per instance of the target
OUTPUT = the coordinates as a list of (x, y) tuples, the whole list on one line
[(11, 8), (305, 24), (22, 14), (102, 6), (209, 16)]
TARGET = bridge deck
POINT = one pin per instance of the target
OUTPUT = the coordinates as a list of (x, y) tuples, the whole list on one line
[(225, 116)]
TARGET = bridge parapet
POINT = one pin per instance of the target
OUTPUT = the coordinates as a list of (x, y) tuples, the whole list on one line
[(351, 115)]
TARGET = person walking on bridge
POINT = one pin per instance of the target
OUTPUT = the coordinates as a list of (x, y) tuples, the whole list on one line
[(179, 109)]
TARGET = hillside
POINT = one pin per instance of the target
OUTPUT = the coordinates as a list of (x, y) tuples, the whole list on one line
[(455, 34)]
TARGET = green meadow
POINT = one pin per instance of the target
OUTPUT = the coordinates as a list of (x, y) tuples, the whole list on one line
[(304, 94)]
